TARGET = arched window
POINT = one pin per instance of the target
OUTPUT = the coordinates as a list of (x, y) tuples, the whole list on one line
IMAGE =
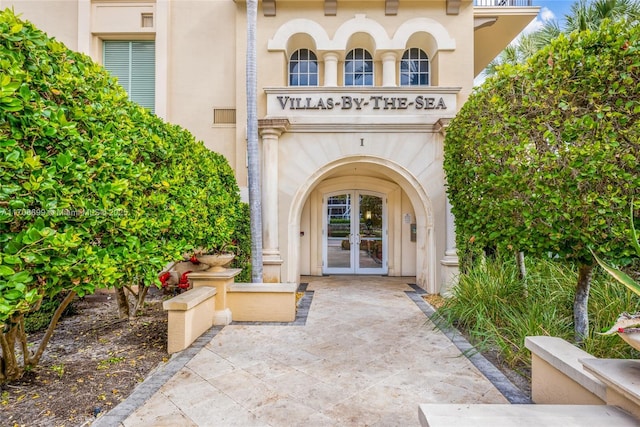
[(303, 68), (358, 68), (414, 68)]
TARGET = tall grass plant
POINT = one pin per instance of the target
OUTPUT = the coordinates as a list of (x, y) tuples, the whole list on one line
[(497, 309)]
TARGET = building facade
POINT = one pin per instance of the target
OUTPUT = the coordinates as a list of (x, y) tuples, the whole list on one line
[(354, 99)]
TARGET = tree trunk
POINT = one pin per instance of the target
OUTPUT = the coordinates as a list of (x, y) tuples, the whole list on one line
[(523, 272), (521, 267), (33, 361), (123, 303), (9, 367), (580, 303), (140, 297), (255, 202)]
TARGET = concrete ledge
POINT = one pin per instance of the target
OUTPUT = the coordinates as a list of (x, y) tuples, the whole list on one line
[(190, 315), (263, 287), (557, 374), (492, 415), (189, 299), (262, 302), (622, 377)]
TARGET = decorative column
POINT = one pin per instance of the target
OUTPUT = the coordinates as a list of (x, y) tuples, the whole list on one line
[(270, 131), (450, 266), (389, 69), (330, 69)]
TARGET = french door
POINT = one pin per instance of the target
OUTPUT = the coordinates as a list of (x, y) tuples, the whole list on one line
[(354, 233)]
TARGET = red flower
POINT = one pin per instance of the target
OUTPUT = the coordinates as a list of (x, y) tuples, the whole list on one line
[(184, 282), (164, 277)]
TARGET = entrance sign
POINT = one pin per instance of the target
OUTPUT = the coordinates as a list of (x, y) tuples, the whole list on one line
[(374, 105), (375, 102)]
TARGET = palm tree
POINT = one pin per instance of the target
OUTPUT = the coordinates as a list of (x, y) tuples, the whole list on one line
[(587, 15), (255, 202), (584, 15)]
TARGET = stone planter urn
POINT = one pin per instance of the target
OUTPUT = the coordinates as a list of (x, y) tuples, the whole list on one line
[(216, 262)]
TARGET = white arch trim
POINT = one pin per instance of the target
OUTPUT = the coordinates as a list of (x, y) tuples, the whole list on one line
[(423, 25), (361, 24), (297, 26), (426, 259)]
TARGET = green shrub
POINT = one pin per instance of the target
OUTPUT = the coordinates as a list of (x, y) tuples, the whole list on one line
[(543, 157), (340, 221), (95, 191), (242, 240)]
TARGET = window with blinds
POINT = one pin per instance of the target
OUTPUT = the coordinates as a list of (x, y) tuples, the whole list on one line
[(134, 64)]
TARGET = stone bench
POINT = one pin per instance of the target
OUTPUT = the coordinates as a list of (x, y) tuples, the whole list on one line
[(190, 315), (497, 415), (558, 376)]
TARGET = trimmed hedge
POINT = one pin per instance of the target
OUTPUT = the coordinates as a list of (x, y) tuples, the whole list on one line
[(95, 191), (543, 158)]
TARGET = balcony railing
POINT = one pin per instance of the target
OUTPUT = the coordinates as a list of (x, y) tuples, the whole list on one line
[(494, 3)]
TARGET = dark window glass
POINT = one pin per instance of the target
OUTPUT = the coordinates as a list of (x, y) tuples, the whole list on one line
[(414, 68), (303, 68), (358, 68)]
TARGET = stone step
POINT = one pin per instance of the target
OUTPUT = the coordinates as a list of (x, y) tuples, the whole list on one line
[(496, 415)]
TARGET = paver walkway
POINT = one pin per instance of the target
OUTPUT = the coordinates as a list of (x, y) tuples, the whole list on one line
[(367, 355)]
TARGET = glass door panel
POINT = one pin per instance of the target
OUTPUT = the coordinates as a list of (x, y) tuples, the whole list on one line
[(371, 256), (338, 234), (354, 233)]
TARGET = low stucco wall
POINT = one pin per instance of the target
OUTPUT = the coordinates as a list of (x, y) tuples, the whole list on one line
[(557, 374), (190, 315), (262, 302)]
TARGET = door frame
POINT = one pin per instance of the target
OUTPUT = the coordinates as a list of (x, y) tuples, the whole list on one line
[(354, 235)]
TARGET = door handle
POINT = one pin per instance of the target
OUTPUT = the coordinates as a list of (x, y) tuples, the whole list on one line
[(359, 239), (351, 239)]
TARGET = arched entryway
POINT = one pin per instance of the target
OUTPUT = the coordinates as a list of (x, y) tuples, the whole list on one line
[(403, 231)]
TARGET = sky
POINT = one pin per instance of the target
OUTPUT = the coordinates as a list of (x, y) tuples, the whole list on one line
[(549, 10)]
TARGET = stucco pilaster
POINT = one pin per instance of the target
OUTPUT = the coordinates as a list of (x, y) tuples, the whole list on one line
[(451, 231), (84, 26), (162, 20), (450, 265), (270, 131)]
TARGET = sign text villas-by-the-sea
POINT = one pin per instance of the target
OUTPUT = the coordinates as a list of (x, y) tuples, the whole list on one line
[(375, 102)]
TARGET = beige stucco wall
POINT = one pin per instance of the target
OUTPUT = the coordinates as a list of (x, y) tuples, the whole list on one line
[(109, 17), (551, 386), (58, 19), (203, 71)]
